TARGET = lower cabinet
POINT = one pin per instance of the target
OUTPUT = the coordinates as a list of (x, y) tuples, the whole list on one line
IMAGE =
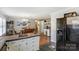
[(28, 44)]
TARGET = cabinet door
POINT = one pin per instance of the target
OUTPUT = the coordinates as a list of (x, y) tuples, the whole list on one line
[(19, 45), (12, 46), (36, 43), (33, 43), (29, 44), (24, 45)]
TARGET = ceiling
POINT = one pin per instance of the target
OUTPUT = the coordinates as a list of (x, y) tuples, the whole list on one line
[(29, 11)]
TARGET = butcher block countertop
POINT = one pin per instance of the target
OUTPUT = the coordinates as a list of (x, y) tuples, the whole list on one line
[(17, 37)]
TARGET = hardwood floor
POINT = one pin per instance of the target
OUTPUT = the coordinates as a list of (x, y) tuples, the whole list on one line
[(43, 40)]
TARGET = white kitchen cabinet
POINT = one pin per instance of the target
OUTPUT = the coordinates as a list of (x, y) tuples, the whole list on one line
[(28, 44), (34, 43), (13, 45)]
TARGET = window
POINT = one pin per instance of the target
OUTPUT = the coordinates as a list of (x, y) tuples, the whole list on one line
[(2, 26)]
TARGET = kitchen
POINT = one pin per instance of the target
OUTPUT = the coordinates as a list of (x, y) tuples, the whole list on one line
[(22, 33), (32, 28)]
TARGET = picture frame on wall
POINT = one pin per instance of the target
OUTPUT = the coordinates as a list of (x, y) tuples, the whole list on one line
[(21, 23)]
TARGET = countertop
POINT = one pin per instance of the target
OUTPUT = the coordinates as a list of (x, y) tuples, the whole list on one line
[(17, 37)]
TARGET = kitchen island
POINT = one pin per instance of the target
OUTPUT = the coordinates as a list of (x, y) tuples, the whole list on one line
[(22, 43)]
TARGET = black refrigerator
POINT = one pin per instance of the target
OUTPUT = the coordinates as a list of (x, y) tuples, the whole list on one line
[(73, 29), (68, 34)]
